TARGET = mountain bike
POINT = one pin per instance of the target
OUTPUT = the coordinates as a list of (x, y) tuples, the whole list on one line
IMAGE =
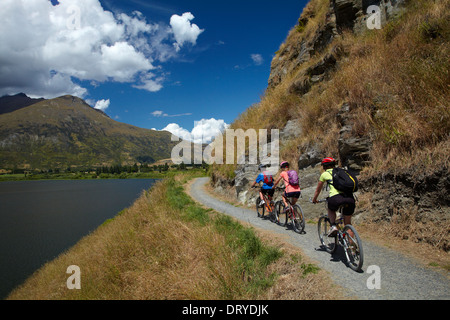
[(268, 206), (352, 245), (292, 213)]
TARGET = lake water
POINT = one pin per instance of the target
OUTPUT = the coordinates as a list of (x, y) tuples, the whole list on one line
[(41, 219)]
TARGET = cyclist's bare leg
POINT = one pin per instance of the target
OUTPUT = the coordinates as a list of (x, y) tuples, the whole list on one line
[(332, 216), (348, 220), (261, 196), (285, 201)]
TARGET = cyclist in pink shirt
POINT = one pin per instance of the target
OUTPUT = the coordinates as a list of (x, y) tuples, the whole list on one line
[(291, 190)]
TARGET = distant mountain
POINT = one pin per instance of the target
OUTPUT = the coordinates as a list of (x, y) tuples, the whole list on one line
[(66, 131), (16, 102)]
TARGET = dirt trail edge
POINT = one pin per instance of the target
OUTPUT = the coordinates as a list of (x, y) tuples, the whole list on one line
[(400, 278)]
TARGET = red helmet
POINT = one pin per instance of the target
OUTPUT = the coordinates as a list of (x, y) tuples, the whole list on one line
[(328, 161)]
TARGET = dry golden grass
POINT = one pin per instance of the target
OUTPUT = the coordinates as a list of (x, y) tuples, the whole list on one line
[(298, 278), (165, 247), (294, 280), (145, 253)]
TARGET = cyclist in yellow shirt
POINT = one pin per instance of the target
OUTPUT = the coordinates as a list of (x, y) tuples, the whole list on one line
[(336, 198)]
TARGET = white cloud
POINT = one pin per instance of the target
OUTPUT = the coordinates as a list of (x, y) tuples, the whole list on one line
[(149, 84), (183, 30), (178, 131), (257, 59), (159, 113), (204, 131), (43, 53), (102, 105)]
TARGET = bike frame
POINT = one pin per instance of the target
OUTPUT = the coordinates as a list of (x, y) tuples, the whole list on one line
[(269, 205), (268, 202), (292, 215), (290, 207)]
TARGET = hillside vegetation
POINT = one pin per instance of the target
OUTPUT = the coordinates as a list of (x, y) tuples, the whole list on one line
[(65, 132), (377, 100), (395, 82)]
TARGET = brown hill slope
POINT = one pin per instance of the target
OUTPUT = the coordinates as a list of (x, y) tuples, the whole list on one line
[(66, 131), (377, 99)]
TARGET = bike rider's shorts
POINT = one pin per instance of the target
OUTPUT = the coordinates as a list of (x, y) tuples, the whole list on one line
[(268, 192), (347, 203), (295, 195)]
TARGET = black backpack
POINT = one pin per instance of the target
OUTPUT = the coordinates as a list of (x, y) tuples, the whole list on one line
[(345, 181)]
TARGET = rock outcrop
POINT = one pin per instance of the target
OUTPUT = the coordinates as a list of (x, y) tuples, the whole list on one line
[(342, 15), (296, 56), (418, 198), (354, 150)]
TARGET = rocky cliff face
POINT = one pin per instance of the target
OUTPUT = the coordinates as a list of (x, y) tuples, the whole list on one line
[(409, 201), (306, 64), (415, 201), (341, 15), (296, 55)]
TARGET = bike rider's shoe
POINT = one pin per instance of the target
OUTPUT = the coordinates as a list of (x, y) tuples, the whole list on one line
[(333, 231)]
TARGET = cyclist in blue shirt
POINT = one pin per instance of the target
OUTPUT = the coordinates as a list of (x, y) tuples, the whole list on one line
[(267, 188)]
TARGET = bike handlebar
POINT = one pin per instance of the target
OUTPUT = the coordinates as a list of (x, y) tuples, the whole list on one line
[(276, 188), (319, 201)]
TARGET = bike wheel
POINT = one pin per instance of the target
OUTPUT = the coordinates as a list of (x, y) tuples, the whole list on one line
[(330, 244), (260, 208), (282, 215), (274, 214), (353, 248), (298, 219)]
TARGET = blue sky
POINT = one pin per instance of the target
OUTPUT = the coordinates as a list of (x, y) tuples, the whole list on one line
[(218, 72)]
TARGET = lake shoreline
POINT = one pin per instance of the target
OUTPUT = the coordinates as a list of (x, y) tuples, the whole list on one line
[(89, 176), (41, 219)]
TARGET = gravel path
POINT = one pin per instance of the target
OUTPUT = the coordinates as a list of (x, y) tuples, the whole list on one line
[(400, 277)]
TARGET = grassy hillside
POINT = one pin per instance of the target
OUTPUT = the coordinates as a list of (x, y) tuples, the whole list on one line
[(65, 131), (395, 82), (376, 100), (165, 246)]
